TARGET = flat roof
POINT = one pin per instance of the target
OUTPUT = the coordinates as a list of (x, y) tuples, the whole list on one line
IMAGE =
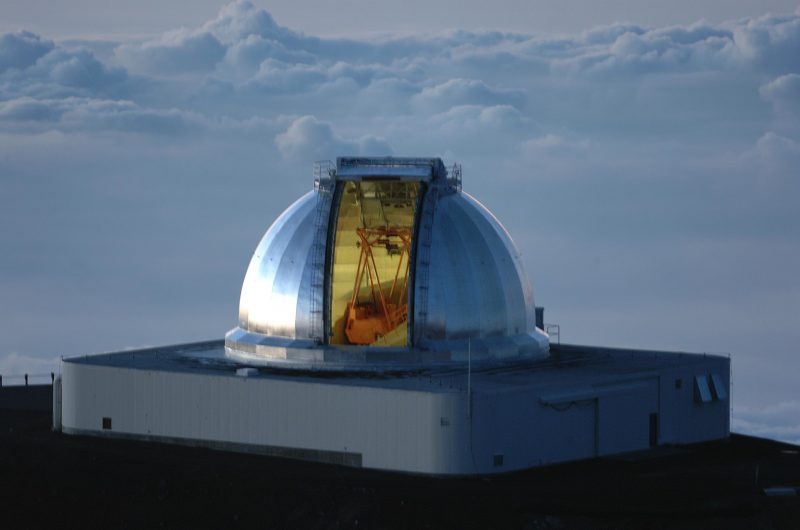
[(569, 366)]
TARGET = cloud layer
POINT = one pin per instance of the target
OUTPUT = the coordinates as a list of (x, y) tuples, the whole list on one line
[(623, 78), (780, 421), (649, 175)]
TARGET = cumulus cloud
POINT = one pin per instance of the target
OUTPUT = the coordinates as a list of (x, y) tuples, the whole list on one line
[(679, 48), (242, 36), (779, 160), (783, 93), (457, 92), (92, 114), (22, 49), (482, 90), (244, 50), (307, 138), (248, 53), (175, 52), (130, 117), (771, 40), (27, 109), (61, 72), (768, 42), (241, 19), (471, 119), (771, 145), (278, 76), (86, 114), (241, 33), (79, 69)]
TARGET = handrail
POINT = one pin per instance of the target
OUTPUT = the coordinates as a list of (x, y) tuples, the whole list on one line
[(454, 178), (553, 330), (26, 377)]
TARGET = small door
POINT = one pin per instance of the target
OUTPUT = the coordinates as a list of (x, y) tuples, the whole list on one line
[(628, 419)]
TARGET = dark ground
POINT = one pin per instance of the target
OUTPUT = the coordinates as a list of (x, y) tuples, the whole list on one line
[(53, 480)]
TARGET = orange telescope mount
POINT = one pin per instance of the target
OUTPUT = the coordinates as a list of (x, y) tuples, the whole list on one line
[(368, 321)]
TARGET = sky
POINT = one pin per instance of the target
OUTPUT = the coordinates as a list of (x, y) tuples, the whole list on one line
[(646, 162), (122, 18)]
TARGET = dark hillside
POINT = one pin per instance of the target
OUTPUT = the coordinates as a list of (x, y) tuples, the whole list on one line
[(53, 480)]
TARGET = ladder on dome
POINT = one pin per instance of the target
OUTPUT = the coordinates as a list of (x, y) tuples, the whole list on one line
[(323, 185), (425, 235), (421, 272)]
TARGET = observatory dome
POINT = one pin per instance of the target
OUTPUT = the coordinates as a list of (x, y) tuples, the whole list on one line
[(386, 263)]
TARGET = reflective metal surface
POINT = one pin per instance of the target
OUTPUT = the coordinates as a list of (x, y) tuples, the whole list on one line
[(471, 296), (276, 298), (479, 296)]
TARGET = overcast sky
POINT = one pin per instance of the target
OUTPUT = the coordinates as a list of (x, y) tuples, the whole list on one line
[(102, 18), (648, 170)]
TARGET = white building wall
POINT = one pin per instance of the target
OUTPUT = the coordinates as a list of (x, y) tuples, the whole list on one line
[(404, 430), (390, 429), (531, 427), (683, 418)]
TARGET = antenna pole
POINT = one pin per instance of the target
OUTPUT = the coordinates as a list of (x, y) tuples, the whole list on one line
[(469, 377)]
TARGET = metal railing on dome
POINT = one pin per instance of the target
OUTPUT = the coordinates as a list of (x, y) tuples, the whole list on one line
[(554, 330), (454, 177), (323, 171)]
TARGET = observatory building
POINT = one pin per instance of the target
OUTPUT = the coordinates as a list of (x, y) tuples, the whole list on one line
[(386, 321)]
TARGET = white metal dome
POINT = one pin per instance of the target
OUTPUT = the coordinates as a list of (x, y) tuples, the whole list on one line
[(467, 291), (276, 292)]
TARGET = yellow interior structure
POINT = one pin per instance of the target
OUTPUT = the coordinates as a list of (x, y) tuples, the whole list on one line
[(369, 278)]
